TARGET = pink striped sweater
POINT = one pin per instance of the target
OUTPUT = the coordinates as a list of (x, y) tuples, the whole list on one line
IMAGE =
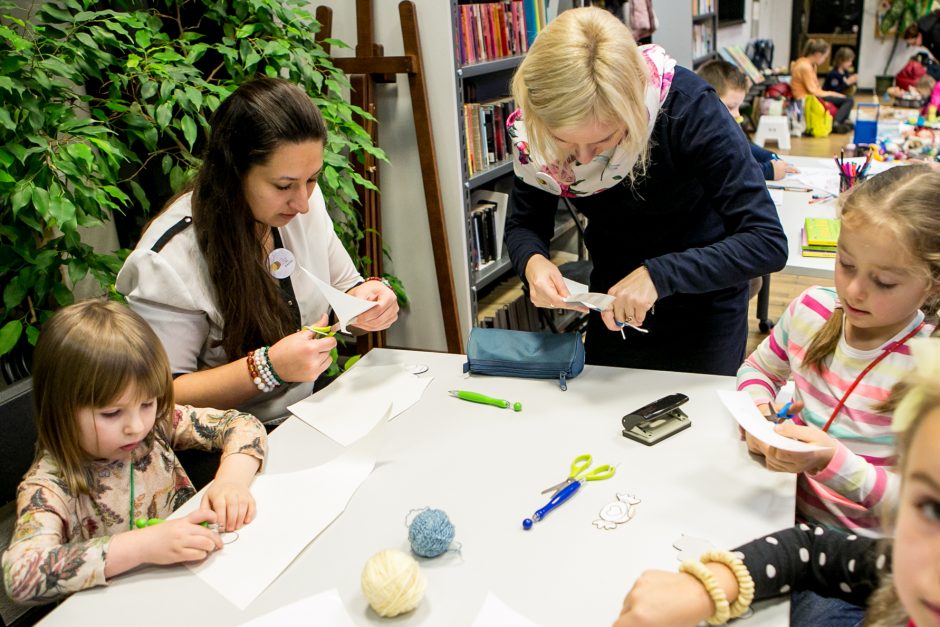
[(857, 486)]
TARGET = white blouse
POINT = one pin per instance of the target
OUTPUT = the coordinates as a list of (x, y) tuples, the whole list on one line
[(171, 290)]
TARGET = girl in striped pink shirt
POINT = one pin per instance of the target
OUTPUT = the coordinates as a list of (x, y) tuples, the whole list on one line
[(846, 348)]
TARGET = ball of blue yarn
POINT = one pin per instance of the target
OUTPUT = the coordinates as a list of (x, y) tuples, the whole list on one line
[(430, 533)]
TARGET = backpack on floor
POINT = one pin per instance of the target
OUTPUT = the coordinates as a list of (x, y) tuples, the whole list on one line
[(817, 117)]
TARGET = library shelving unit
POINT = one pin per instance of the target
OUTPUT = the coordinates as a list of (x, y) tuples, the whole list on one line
[(487, 82), (690, 35)]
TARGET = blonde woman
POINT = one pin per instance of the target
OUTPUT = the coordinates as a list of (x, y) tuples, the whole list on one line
[(679, 215)]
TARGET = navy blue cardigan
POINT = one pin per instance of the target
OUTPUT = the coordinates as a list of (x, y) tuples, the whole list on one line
[(702, 222)]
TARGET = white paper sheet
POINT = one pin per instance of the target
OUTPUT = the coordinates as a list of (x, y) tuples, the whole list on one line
[(495, 612), (581, 296), (325, 609), (345, 306), (292, 509), (380, 393), (776, 195), (744, 410)]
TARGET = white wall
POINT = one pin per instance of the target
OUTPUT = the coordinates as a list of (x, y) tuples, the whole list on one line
[(874, 52), (404, 216)]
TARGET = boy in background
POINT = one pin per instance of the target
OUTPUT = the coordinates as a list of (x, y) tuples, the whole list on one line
[(731, 85)]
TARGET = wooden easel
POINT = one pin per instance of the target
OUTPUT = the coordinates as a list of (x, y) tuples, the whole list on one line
[(368, 67)]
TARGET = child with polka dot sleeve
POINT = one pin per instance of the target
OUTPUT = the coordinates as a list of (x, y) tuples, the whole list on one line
[(898, 580)]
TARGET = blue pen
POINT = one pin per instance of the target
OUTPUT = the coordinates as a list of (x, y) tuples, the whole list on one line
[(784, 413), (558, 499)]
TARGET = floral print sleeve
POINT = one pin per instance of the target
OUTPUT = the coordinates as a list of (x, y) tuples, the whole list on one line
[(42, 564), (230, 431)]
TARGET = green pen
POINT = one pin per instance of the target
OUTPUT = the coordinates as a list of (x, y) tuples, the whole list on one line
[(140, 523), (476, 397)]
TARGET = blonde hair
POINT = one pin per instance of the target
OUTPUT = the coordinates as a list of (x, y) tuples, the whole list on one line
[(903, 203), (917, 396), (925, 85), (814, 46), (584, 67), (88, 355)]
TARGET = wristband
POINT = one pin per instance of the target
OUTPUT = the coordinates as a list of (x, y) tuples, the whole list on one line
[(745, 581), (718, 596), (382, 280)]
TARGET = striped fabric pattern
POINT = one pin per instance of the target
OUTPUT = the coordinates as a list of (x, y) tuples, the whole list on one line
[(857, 486)]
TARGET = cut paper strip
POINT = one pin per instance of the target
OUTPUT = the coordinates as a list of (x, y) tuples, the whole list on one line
[(581, 296), (380, 393), (495, 612), (292, 509), (325, 608), (345, 307), (744, 410)]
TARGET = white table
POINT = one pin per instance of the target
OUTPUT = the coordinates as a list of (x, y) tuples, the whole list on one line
[(796, 208), (486, 468)]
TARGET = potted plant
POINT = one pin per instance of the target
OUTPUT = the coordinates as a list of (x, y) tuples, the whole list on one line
[(102, 111)]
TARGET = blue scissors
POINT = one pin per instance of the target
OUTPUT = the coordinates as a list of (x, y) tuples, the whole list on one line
[(580, 473)]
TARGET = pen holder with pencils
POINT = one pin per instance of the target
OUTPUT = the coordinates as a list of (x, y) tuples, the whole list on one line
[(848, 181)]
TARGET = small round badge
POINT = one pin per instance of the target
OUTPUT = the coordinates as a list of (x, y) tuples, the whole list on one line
[(281, 263), (547, 183)]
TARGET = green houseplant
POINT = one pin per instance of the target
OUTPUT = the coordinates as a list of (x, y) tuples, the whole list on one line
[(102, 110)]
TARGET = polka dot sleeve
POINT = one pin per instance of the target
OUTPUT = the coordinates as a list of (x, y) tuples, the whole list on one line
[(828, 562)]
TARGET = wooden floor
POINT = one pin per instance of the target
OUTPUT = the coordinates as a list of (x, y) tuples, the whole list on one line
[(786, 287)]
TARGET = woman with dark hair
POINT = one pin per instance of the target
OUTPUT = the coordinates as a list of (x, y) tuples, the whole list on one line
[(925, 32), (226, 273)]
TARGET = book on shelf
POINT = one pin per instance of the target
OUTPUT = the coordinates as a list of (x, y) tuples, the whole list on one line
[(498, 201), (815, 250), (487, 139), (701, 7), (491, 30), (822, 231)]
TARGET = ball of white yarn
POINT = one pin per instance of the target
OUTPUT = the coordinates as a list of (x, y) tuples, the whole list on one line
[(392, 582)]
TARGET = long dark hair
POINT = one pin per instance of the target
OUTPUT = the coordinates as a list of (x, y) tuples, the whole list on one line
[(255, 120)]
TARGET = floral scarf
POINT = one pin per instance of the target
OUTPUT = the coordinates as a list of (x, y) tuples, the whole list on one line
[(573, 179)]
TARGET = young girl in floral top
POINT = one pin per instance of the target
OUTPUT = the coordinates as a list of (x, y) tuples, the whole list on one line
[(107, 428)]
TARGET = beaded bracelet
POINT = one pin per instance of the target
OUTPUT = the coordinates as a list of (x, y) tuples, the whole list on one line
[(270, 365), (718, 596), (261, 371), (745, 581)]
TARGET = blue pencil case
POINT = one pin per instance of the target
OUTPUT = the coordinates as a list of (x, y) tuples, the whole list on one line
[(506, 353)]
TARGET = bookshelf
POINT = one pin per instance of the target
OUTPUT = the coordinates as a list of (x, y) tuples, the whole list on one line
[(690, 35), (500, 32)]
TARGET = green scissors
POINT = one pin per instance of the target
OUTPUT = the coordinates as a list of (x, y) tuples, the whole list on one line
[(579, 472)]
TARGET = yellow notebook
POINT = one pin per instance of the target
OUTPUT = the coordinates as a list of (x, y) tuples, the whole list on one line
[(821, 231)]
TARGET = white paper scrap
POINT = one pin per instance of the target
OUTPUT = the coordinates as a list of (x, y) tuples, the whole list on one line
[(325, 608), (292, 509), (581, 296), (359, 400), (744, 410), (345, 306), (495, 612), (776, 195)]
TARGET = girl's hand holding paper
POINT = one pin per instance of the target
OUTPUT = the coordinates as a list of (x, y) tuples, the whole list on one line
[(810, 462)]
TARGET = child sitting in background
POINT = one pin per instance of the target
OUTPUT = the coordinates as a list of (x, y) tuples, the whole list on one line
[(107, 427), (840, 77), (845, 348), (731, 86), (897, 580)]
